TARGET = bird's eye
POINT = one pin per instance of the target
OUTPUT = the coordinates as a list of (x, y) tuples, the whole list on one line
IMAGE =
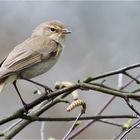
[(53, 29)]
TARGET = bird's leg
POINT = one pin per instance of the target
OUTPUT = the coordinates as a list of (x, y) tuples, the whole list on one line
[(24, 104), (47, 89)]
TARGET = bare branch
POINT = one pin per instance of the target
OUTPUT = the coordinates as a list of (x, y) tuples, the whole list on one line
[(130, 76), (131, 107), (19, 125), (74, 125), (36, 118), (43, 103), (128, 130), (122, 70), (110, 100)]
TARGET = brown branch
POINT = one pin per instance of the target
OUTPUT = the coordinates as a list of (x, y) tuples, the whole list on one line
[(36, 118), (18, 126), (131, 107), (124, 133), (122, 70), (130, 76), (54, 94), (136, 90), (115, 92), (37, 101), (65, 91), (110, 100)]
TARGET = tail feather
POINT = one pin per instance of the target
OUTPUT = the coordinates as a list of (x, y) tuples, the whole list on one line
[(7, 81), (2, 84)]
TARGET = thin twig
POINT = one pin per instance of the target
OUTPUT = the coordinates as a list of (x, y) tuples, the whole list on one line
[(115, 92), (131, 106), (34, 103), (9, 133), (128, 130), (104, 107), (73, 126), (54, 94), (13, 130), (110, 122), (36, 118), (82, 128), (117, 137), (90, 79), (136, 90), (130, 76), (36, 111)]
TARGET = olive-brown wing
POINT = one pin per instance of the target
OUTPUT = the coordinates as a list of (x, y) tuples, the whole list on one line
[(26, 55)]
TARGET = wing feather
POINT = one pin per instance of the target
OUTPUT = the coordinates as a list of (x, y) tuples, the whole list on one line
[(26, 62), (2, 61), (27, 54)]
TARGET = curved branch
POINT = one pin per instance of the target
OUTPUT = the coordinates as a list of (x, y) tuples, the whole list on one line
[(128, 130)]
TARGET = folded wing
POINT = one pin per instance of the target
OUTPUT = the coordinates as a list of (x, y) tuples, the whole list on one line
[(26, 55)]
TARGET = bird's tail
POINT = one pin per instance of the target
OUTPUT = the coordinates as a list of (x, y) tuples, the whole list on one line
[(7, 81), (2, 84)]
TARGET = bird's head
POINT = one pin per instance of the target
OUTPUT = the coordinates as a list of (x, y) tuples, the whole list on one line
[(52, 29)]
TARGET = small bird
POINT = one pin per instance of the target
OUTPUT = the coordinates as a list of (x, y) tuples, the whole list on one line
[(34, 56)]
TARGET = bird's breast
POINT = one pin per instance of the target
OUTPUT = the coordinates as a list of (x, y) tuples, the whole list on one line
[(48, 60), (39, 68)]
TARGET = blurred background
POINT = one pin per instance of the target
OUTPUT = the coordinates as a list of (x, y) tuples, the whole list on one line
[(105, 36)]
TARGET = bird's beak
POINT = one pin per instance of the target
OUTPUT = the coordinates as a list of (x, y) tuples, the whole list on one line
[(65, 31)]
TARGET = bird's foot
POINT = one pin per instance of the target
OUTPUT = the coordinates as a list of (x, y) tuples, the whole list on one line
[(48, 90), (26, 109)]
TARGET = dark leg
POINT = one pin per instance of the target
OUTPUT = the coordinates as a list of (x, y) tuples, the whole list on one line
[(24, 104), (46, 87)]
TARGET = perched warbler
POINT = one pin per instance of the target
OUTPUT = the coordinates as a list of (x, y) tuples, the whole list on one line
[(34, 56)]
